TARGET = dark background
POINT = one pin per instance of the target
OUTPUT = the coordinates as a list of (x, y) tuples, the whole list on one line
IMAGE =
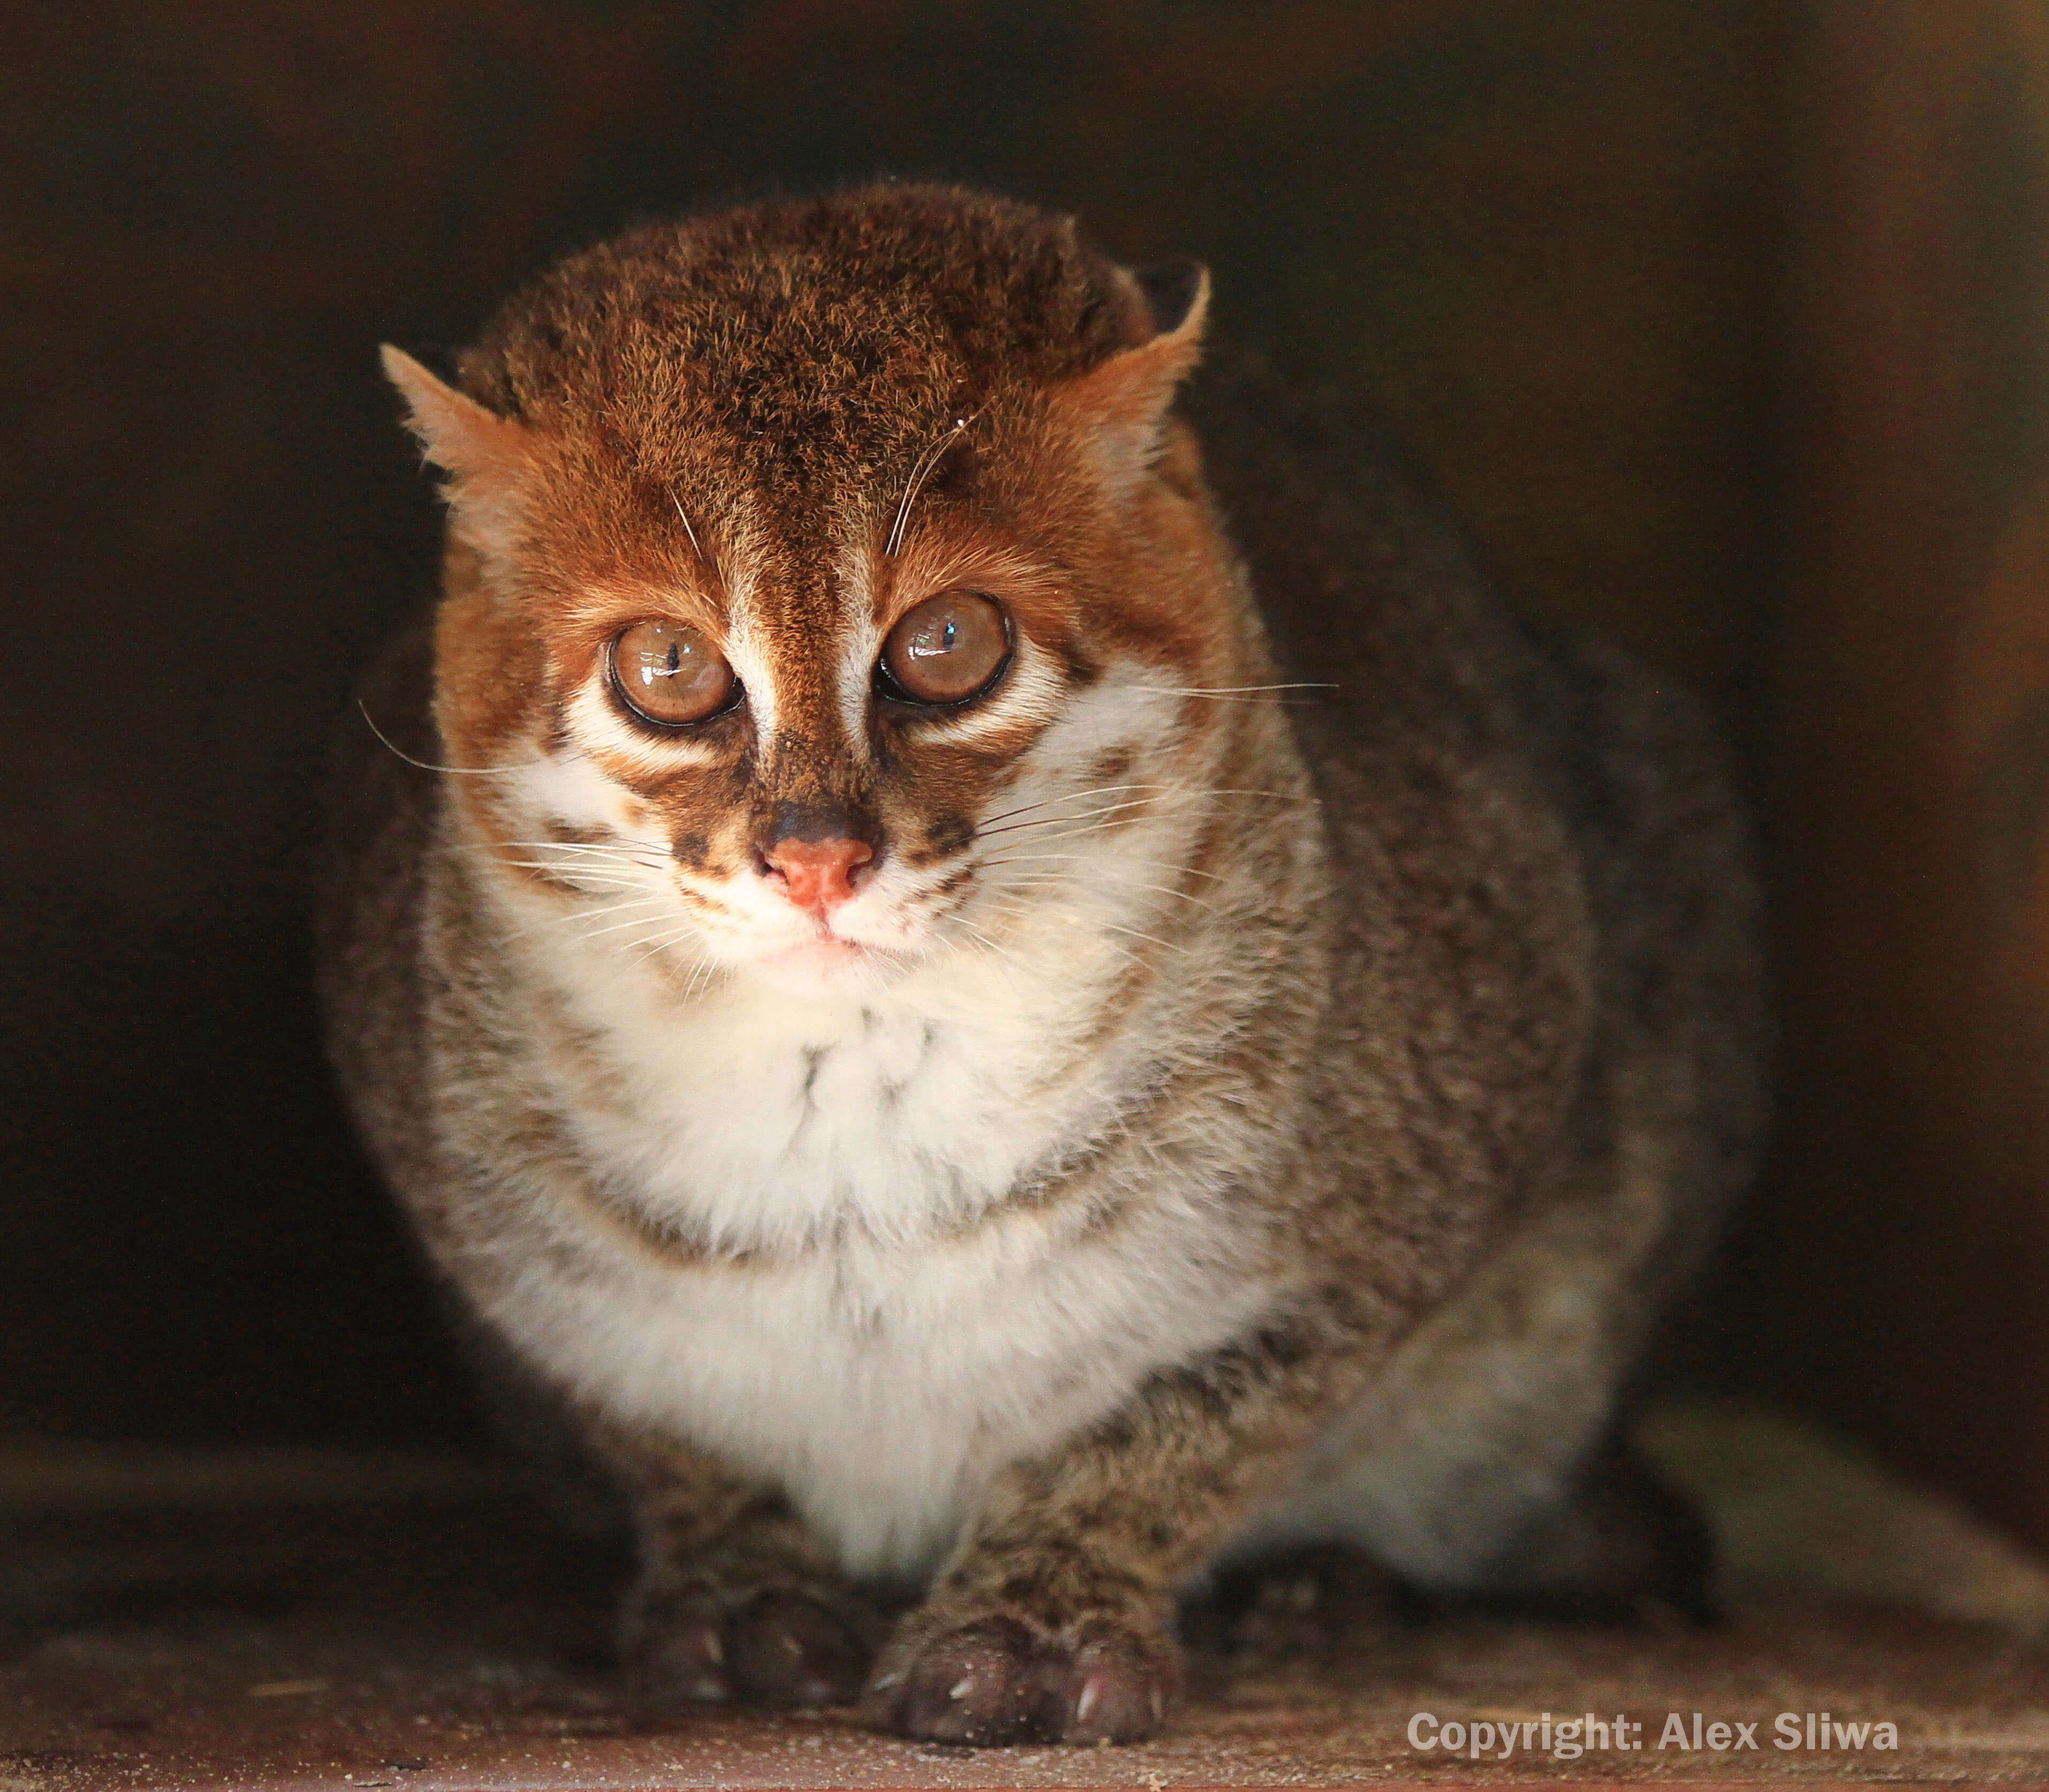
[(1723, 322)]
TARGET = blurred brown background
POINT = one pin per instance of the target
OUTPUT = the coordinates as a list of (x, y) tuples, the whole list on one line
[(1724, 321)]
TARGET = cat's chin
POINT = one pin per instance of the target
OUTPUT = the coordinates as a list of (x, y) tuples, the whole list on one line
[(826, 965)]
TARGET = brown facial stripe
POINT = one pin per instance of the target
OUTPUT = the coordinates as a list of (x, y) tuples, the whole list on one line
[(703, 904), (1111, 768), (951, 833), (947, 884)]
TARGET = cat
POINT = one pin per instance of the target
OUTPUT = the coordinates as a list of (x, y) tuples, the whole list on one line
[(984, 1070)]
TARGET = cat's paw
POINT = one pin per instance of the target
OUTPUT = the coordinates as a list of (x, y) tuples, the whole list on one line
[(782, 1646), (997, 1680)]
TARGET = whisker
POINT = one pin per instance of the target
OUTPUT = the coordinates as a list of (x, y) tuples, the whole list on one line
[(988, 827), (700, 976), (920, 472), (572, 873), (1089, 858), (653, 944), (1055, 820), (1044, 877), (1086, 815), (461, 771), (1024, 911), (645, 846), (582, 915), (683, 517), (1003, 958), (1165, 945), (1072, 796), (617, 926), (1230, 690)]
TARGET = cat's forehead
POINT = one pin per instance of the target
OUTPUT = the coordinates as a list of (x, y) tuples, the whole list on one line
[(823, 338)]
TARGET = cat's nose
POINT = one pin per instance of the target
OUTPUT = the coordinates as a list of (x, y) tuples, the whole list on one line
[(818, 875)]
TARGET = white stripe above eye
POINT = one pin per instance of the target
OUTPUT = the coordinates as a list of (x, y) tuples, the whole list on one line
[(746, 650), (862, 638)]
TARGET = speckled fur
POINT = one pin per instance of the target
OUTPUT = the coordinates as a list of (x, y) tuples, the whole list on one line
[(1311, 1164)]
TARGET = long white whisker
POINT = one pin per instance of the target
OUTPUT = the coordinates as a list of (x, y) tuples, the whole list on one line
[(921, 470), (1070, 796), (1048, 877), (683, 517), (460, 771), (1055, 820), (1091, 858), (1090, 815), (590, 882), (700, 975), (1226, 690), (1165, 945), (988, 829), (619, 926), (654, 944), (626, 848), (583, 915)]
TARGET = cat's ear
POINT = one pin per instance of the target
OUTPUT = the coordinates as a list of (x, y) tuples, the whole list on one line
[(485, 456), (1123, 404)]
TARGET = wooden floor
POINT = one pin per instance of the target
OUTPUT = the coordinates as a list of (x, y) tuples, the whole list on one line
[(419, 1627)]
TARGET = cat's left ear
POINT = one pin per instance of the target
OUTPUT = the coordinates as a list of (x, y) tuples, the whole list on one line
[(485, 456), (1123, 404)]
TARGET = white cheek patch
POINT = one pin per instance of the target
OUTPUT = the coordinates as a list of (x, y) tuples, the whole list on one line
[(1121, 713), (567, 789), (1066, 844)]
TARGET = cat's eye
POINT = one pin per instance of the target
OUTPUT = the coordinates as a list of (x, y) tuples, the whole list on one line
[(669, 674), (950, 648)]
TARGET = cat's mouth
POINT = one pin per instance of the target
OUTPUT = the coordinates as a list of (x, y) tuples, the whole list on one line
[(825, 961)]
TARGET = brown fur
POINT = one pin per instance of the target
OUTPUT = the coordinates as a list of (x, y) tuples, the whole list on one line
[(1459, 1018)]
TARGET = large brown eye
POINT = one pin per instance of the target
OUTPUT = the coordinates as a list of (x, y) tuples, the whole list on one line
[(668, 673), (948, 649)]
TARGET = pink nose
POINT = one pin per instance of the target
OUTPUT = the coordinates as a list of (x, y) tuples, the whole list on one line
[(818, 874)]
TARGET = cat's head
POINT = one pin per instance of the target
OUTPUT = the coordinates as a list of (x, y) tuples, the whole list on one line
[(834, 582)]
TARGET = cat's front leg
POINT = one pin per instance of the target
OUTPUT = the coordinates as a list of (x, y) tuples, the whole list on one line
[(1053, 1620), (735, 1601)]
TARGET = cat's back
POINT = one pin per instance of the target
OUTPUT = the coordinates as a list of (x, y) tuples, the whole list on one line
[(1553, 832)]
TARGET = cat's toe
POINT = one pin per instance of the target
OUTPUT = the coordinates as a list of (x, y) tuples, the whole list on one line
[(786, 1648), (979, 1685), (995, 1682), (672, 1645), (1117, 1687)]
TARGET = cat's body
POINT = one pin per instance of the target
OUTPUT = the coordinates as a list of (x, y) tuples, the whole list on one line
[(1239, 1121)]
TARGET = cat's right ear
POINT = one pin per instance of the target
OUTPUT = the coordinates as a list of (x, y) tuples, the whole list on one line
[(1122, 404), (485, 456)]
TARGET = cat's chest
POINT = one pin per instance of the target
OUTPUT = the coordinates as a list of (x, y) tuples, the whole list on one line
[(755, 1122)]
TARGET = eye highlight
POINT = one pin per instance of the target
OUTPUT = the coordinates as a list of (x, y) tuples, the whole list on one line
[(950, 648), (669, 674)]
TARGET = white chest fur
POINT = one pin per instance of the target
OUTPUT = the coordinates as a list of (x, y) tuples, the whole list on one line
[(894, 1351)]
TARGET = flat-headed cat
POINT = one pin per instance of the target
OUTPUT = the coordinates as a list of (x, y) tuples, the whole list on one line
[(1008, 990)]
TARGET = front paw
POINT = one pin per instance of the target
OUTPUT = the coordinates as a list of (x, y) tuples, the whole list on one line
[(997, 1679), (788, 1647)]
